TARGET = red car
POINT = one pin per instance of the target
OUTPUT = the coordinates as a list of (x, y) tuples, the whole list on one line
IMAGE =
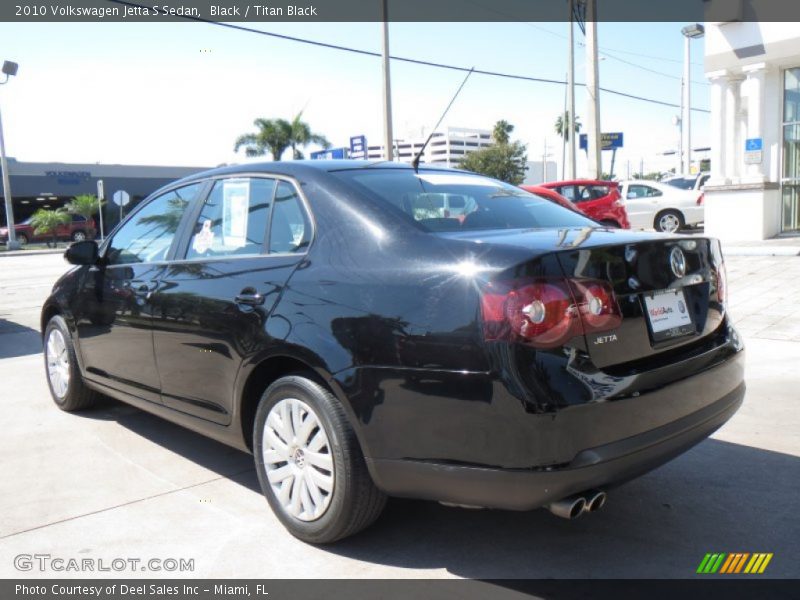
[(77, 231), (598, 200)]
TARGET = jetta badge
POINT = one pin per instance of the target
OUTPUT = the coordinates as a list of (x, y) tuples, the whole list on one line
[(677, 261)]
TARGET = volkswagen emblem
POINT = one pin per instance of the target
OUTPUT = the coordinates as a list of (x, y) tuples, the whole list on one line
[(677, 261)]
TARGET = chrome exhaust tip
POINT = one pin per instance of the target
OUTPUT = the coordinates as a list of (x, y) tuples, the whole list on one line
[(571, 507), (595, 500)]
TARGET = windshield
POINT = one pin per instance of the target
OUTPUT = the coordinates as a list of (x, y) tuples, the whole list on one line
[(450, 201)]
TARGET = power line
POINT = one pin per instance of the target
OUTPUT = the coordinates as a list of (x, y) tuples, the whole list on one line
[(414, 61)]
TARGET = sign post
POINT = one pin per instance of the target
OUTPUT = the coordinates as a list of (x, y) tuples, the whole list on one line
[(100, 197), (121, 198), (358, 146), (608, 141)]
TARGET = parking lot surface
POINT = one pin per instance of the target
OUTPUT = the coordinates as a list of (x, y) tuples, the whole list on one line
[(118, 483)]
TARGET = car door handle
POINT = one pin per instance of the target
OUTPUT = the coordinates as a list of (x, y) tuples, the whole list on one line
[(250, 297)]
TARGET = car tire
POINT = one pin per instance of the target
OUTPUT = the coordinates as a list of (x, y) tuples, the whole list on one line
[(294, 483), (79, 236), (22, 239), (669, 221), (64, 379)]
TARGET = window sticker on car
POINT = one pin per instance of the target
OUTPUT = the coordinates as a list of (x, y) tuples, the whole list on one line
[(204, 239), (236, 200)]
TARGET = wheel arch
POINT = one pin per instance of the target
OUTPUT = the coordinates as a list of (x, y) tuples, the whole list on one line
[(670, 209), (260, 374)]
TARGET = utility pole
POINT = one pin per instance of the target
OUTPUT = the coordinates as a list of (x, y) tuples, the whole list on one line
[(592, 88), (388, 138), (9, 70), (689, 32), (571, 96)]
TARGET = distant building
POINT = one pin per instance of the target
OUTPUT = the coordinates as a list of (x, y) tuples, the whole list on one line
[(754, 72), (536, 174), (446, 147), (51, 185)]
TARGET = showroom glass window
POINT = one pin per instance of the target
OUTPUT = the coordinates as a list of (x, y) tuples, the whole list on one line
[(148, 234), (290, 230), (790, 177), (234, 219)]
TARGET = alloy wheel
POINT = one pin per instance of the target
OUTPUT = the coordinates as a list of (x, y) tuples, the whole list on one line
[(298, 460), (669, 223), (57, 363)]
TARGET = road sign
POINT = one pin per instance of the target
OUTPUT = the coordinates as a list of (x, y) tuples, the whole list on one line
[(753, 151), (330, 154), (753, 144), (608, 141), (358, 146), (121, 198)]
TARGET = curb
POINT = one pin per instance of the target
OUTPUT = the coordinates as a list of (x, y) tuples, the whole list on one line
[(761, 251), (10, 253)]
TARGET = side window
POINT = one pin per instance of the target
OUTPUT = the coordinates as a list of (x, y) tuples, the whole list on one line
[(234, 217), (636, 191), (568, 191), (148, 234), (290, 227), (650, 192)]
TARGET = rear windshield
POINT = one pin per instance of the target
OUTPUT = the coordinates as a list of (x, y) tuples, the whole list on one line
[(448, 201), (684, 183)]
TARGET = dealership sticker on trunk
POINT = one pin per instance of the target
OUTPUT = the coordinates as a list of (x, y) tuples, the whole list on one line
[(668, 314)]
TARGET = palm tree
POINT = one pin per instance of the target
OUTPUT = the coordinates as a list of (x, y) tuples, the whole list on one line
[(86, 206), (302, 136), (502, 132), (46, 221), (273, 136), (563, 128)]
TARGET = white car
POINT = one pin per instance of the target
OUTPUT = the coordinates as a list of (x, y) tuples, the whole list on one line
[(653, 205)]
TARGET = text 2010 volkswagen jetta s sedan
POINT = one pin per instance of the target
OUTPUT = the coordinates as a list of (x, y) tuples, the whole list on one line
[(369, 330)]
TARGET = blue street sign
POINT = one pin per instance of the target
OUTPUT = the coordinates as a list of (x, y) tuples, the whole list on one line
[(358, 146), (753, 144), (608, 141), (329, 154)]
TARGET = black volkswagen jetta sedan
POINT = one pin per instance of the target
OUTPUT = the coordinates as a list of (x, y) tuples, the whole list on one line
[(367, 330)]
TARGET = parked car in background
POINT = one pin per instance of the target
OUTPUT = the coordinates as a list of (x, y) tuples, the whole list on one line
[(551, 195), (688, 182), (599, 200), (77, 231), (654, 205), (329, 317)]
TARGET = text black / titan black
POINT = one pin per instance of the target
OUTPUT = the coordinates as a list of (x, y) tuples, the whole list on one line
[(367, 330)]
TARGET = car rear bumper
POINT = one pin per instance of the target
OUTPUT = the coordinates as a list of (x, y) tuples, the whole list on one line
[(598, 467)]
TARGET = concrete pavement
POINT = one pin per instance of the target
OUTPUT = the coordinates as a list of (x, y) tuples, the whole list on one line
[(119, 483)]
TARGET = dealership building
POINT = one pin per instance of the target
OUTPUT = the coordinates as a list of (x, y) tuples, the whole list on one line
[(754, 72), (446, 148), (51, 185)]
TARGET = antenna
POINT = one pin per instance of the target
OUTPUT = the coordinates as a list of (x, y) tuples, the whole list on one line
[(415, 162)]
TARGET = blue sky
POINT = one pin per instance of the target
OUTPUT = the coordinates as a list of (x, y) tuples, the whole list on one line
[(180, 94)]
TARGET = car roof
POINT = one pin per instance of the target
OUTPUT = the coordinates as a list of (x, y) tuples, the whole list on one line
[(578, 182), (297, 168)]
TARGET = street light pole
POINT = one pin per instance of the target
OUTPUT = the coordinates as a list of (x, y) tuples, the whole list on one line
[(689, 32), (570, 131), (9, 69), (593, 90), (388, 138)]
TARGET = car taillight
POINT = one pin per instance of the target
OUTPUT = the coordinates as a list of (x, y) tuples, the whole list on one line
[(547, 313), (722, 283), (597, 305), (700, 198)]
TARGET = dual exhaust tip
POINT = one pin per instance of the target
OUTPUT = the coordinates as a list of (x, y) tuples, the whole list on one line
[(573, 507)]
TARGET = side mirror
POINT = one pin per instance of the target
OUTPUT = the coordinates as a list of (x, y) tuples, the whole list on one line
[(82, 253)]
